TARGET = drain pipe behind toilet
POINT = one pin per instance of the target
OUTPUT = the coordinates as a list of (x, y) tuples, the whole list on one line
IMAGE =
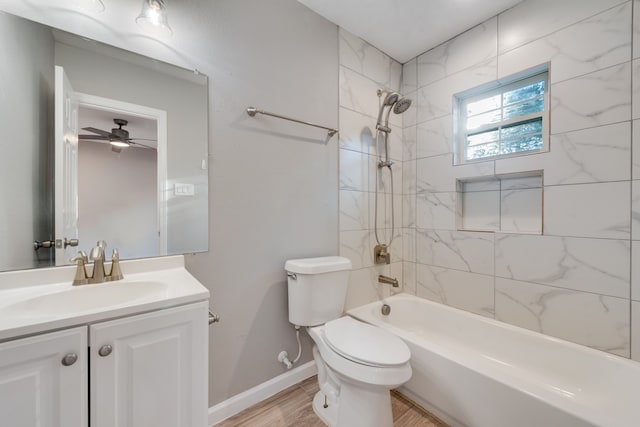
[(283, 356)]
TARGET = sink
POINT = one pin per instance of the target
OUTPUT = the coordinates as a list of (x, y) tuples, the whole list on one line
[(43, 299), (84, 298)]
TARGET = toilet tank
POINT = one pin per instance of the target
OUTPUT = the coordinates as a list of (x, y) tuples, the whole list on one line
[(317, 289)]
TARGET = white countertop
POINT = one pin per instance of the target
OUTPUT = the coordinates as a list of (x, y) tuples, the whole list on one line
[(39, 300)]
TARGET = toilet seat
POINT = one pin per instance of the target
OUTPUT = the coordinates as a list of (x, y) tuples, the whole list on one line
[(365, 344)]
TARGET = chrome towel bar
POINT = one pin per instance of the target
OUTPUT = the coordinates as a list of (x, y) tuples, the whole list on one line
[(252, 111)]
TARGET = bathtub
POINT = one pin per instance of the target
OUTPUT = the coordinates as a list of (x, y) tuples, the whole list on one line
[(473, 371)]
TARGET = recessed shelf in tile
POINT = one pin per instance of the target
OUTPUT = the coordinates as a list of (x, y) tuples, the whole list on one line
[(510, 203)]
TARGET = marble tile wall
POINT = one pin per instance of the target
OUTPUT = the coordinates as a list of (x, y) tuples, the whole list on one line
[(578, 279), (363, 70)]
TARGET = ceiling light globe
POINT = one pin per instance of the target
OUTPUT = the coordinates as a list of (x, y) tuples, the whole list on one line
[(153, 17)]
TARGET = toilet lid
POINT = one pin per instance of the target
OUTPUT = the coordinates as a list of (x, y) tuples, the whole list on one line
[(364, 343)]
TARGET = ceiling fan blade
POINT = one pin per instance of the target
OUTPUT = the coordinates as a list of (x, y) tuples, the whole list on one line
[(94, 137), (99, 131), (143, 139), (137, 144)]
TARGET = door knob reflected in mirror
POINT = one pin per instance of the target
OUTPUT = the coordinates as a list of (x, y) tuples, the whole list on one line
[(60, 244), (70, 242), (37, 244)]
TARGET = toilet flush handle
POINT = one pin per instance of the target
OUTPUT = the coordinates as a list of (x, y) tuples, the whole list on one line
[(213, 318), (294, 276)]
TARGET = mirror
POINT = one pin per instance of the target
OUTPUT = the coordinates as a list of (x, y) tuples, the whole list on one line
[(63, 174)]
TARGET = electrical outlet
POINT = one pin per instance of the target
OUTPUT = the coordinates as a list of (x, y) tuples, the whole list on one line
[(183, 189)]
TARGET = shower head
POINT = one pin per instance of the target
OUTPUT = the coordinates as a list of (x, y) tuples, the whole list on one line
[(395, 102), (401, 105), (390, 99)]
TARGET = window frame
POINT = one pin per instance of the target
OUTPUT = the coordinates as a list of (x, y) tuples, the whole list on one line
[(462, 99)]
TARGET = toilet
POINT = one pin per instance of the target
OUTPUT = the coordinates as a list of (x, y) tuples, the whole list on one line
[(357, 363)]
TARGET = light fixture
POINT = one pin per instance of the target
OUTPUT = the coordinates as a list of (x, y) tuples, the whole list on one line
[(153, 17), (117, 143)]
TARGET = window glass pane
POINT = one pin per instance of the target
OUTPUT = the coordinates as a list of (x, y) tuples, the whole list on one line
[(529, 143), (534, 106), (480, 151), (521, 94), (483, 105), (483, 138), (522, 129), (483, 119)]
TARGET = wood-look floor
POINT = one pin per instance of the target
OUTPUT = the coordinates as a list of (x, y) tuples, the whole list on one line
[(292, 408)]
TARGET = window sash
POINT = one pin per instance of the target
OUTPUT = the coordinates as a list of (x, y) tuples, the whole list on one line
[(499, 125)]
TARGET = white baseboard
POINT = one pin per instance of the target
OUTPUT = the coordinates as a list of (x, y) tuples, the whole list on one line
[(246, 399)]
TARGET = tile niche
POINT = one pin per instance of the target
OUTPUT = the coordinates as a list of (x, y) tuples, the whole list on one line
[(510, 203)]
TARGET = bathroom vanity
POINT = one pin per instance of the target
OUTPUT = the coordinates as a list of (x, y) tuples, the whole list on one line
[(126, 353)]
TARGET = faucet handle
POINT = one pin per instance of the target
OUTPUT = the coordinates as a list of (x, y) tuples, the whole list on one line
[(81, 257), (116, 273), (81, 272)]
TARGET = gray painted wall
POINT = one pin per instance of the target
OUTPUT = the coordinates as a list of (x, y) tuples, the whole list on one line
[(117, 197), (274, 184)]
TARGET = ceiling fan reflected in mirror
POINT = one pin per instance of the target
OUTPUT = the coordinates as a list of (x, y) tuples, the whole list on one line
[(118, 137)]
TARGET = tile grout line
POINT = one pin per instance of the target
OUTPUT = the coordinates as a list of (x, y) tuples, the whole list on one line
[(630, 336)]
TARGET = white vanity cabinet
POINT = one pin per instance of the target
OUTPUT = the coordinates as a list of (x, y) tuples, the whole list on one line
[(43, 380), (127, 353), (150, 370), (144, 370)]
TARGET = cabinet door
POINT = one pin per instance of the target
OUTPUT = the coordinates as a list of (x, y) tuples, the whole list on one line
[(154, 374), (36, 388)]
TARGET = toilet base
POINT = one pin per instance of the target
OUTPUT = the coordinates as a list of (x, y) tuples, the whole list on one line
[(328, 415), (356, 407)]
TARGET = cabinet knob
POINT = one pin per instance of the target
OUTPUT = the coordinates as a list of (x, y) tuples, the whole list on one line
[(69, 359), (105, 350)]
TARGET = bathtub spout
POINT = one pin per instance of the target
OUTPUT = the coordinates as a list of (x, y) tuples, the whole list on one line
[(388, 280)]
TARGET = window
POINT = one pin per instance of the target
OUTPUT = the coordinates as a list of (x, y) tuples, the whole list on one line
[(503, 120)]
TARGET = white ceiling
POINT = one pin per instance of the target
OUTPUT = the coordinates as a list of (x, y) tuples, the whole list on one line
[(403, 29)]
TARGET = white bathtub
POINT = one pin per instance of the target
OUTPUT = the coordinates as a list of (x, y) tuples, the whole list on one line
[(474, 371)]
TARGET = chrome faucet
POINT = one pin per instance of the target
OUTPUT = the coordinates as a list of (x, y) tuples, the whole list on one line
[(98, 275), (388, 280)]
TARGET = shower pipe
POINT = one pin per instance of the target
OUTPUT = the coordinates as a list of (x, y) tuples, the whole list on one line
[(398, 104)]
